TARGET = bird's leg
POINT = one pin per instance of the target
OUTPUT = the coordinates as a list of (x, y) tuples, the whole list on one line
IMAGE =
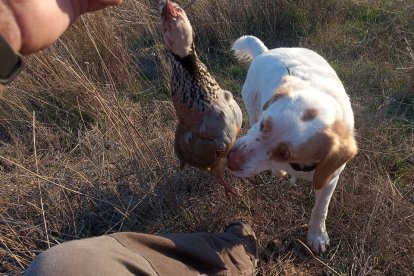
[(218, 172), (229, 190)]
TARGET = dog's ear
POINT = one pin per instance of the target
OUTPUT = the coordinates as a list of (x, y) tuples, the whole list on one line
[(340, 147)]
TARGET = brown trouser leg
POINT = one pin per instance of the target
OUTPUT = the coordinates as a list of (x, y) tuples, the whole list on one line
[(141, 254)]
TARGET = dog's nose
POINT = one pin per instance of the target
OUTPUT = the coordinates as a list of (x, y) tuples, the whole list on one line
[(235, 159)]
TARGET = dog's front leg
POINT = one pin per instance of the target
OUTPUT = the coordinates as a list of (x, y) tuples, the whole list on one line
[(318, 239)]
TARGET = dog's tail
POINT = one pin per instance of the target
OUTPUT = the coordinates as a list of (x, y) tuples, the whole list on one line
[(247, 47)]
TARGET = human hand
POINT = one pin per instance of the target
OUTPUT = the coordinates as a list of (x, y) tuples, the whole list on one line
[(30, 25)]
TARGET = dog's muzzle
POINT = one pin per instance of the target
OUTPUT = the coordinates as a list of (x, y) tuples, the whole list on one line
[(236, 159)]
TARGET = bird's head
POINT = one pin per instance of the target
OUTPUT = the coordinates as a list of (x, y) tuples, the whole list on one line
[(176, 28)]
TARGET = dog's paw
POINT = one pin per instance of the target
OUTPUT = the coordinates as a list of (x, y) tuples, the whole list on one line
[(318, 241)]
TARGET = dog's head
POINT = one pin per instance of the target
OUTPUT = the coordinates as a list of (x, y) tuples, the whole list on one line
[(298, 124)]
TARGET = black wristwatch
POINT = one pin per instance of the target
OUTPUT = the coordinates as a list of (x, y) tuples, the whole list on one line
[(10, 63)]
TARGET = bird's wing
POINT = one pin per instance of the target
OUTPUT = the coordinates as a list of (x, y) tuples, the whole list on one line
[(210, 134), (194, 150), (222, 121)]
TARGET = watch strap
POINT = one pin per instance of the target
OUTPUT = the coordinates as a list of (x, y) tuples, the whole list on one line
[(10, 63)]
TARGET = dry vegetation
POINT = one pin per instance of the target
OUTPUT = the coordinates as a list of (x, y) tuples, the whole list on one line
[(86, 136)]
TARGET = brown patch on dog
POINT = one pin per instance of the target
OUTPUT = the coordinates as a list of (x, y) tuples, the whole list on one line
[(285, 79), (331, 148), (283, 90), (273, 99), (282, 153), (285, 87), (309, 114)]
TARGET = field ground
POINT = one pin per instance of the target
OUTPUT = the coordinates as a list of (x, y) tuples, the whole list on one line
[(86, 137)]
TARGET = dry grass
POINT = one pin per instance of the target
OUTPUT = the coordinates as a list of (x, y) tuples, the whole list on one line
[(86, 137)]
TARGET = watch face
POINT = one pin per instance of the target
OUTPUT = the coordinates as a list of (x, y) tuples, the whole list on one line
[(10, 68), (10, 63)]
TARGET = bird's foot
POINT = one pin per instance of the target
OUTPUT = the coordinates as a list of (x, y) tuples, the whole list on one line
[(229, 190)]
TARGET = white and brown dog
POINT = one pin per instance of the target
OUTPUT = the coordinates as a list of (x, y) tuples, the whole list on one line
[(301, 123)]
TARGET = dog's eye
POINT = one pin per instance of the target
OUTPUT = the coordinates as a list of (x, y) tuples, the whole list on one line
[(265, 125)]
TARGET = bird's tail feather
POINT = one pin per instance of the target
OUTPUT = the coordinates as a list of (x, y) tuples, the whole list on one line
[(247, 47)]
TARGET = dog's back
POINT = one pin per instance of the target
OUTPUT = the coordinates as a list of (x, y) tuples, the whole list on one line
[(268, 67)]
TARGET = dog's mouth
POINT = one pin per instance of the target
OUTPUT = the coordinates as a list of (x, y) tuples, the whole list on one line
[(304, 167)]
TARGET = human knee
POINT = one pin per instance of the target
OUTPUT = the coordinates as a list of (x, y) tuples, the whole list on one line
[(60, 260)]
